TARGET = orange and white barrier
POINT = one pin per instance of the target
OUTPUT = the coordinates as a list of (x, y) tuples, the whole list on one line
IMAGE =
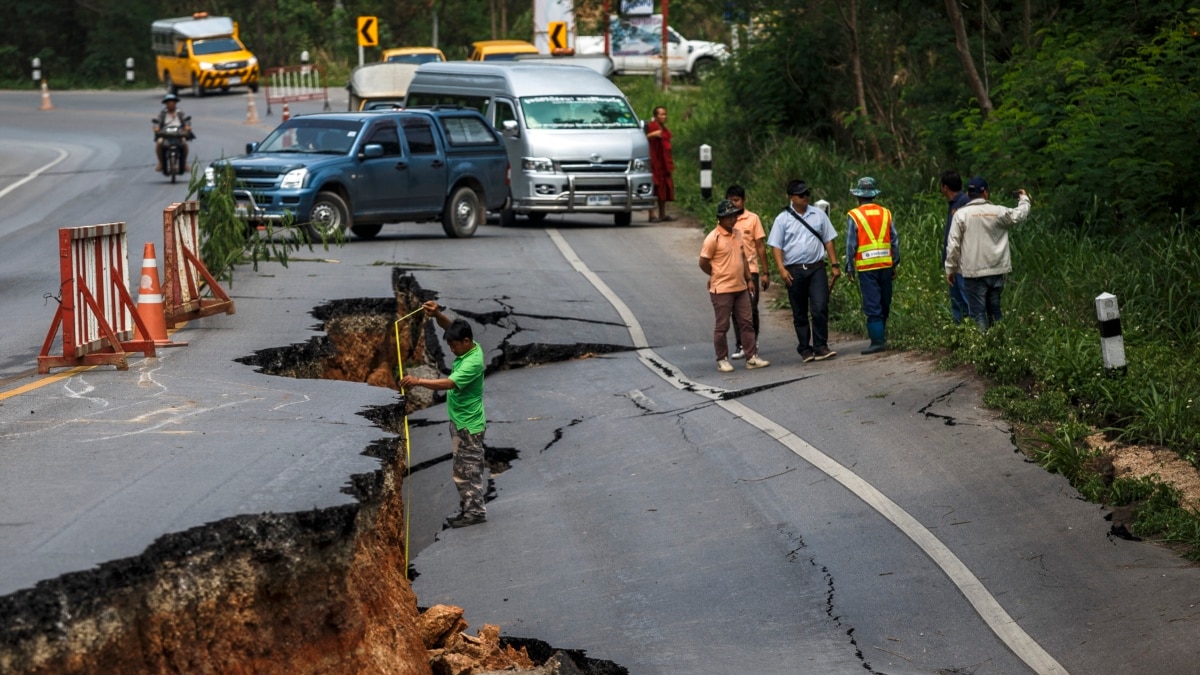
[(184, 271), (96, 313), (295, 83)]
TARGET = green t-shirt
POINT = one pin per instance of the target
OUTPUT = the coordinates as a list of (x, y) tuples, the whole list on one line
[(464, 403)]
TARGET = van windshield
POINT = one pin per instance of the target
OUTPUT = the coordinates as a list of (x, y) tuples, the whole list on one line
[(215, 46), (577, 112)]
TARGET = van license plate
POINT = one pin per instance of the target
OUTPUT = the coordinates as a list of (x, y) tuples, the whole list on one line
[(235, 80), (599, 200)]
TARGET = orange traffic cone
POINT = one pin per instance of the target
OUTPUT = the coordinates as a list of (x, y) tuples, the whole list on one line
[(150, 302), (251, 111), (287, 114), (46, 104)]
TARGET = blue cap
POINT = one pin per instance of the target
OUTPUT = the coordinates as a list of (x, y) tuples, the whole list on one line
[(976, 185)]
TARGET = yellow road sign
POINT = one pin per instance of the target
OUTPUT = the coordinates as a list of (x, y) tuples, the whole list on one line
[(558, 35), (368, 31)]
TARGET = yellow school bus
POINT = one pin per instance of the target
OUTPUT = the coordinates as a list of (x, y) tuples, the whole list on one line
[(202, 52)]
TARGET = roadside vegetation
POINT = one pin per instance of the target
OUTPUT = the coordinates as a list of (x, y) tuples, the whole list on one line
[(1087, 112)]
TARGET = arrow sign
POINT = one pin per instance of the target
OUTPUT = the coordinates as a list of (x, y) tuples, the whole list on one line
[(368, 31), (558, 35)]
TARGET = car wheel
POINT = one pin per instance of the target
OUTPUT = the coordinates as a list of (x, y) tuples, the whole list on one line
[(197, 90), (704, 69), (328, 219), (623, 219), (366, 231), (536, 217), (254, 87), (463, 213), (171, 88)]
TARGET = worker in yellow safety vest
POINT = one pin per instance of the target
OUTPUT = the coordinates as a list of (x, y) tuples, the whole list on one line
[(872, 256)]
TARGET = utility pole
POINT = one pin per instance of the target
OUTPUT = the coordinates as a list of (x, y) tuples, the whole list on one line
[(666, 73)]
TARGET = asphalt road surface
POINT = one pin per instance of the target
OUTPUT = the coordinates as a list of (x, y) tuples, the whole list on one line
[(857, 513)]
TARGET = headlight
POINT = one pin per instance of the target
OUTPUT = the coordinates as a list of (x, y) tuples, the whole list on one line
[(640, 165), (538, 164), (205, 65), (210, 177), (253, 60), (294, 179)]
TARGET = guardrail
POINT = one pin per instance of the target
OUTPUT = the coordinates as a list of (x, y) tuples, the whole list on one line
[(288, 84), (96, 312)]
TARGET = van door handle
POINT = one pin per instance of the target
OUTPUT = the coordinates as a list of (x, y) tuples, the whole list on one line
[(401, 166), (437, 164)]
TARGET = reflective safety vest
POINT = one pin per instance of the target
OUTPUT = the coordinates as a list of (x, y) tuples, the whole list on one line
[(874, 228)]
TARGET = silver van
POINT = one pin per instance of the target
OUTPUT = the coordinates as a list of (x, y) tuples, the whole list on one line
[(574, 143)]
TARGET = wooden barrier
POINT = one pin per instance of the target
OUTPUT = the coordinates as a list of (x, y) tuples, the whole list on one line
[(182, 263), (96, 312)]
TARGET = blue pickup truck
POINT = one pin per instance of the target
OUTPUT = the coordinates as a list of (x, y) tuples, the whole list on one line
[(330, 172)]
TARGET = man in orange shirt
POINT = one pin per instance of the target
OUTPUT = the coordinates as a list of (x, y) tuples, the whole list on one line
[(723, 259), (754, 239)]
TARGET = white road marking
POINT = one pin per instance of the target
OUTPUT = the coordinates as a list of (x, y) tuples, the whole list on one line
[(62, 154), (1003, 625)]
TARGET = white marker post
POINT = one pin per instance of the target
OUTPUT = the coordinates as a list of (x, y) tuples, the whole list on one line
[(706, 172), (1108, 314)]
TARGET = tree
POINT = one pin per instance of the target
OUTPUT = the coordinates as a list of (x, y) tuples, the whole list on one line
[(964, 55)]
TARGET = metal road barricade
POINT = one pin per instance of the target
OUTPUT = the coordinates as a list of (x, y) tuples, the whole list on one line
[(183, 266), (288, 84), (96, 312)]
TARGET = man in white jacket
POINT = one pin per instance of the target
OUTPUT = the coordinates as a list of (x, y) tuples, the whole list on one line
[(977, 249)]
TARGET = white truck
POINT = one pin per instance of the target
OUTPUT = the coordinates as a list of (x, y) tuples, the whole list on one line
[(635, 46)]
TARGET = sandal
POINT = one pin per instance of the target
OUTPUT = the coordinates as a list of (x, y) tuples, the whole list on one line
[(666, 219), (654, 219)]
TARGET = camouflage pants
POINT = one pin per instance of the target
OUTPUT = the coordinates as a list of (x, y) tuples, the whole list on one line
[(468, 469)]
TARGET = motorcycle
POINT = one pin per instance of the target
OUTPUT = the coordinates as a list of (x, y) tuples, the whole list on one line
[(173, 140)]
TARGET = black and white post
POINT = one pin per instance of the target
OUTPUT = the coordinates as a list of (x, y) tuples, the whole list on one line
[(706, 172), (129, 70), (1108, 316)]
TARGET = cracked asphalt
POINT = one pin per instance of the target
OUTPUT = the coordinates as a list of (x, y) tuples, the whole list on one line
[(860, 513)]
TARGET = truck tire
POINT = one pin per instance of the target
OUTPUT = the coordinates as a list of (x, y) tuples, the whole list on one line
[(328, 219), (623, 219), (463, 213), (171, 88), (704, 69), (366, 231), (197, 89)]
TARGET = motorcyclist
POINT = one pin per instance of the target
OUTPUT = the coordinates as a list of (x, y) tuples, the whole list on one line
[(170, 116)]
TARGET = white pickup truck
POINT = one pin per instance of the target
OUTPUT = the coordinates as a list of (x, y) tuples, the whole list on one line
[(635, 47)]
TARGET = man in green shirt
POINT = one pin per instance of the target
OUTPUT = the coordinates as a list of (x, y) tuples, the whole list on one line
[(464, 406)]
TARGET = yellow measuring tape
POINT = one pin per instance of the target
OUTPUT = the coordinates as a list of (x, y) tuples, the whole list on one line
[(407, 449)]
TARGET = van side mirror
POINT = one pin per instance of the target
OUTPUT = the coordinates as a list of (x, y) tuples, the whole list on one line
[(510, 129), (251, 147)]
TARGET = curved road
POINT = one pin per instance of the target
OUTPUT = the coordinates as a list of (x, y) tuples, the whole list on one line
[(858, 513)]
